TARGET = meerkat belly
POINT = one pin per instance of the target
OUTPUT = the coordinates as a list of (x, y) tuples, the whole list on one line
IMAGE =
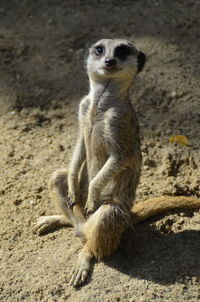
[(96, 150)]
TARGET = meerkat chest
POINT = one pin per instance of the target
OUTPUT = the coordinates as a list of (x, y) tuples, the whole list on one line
[(94, 132)]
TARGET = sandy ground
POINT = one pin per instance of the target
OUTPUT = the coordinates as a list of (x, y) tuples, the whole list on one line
[(42, 78)]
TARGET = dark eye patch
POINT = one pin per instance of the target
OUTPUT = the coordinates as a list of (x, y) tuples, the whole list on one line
[(141, 61), (122, 52)]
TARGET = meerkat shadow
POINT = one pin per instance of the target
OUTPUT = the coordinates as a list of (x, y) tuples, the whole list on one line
[(145, 253)]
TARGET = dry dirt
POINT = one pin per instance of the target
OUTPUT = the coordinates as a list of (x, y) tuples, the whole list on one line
[(42, 78)]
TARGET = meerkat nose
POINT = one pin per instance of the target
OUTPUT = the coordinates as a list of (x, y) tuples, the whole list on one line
[(110, 62)]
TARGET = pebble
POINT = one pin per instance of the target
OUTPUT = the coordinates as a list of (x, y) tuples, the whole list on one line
[(17, 201)]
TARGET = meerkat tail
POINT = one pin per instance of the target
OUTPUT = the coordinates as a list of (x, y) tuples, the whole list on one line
[(151, 207)]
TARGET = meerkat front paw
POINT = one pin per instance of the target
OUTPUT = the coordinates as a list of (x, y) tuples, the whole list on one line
[(90, 206), (92, 200), (73, 199)]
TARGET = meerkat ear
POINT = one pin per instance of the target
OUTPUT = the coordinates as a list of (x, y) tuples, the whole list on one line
[(141, 59)]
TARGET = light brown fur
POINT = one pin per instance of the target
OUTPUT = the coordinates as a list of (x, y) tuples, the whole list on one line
[(96, 195)]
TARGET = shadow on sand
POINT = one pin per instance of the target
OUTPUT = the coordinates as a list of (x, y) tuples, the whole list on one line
[(147, 254)]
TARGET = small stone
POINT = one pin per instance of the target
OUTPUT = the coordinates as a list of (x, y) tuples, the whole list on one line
[(17, 201), (181, 221), (32, 202), (2, 192), (61, 148), (11, 153), (173, 94)]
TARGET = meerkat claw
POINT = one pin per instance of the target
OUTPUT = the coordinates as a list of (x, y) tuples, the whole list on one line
[(78, 277), (88, 211), (43, 224), (90, 207), (71, 203)]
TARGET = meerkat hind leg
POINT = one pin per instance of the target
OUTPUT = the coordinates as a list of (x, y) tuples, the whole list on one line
[(59, 191), (48, 223), (103, 231)]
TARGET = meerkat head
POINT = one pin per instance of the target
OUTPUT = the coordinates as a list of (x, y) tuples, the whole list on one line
[(114, 59)]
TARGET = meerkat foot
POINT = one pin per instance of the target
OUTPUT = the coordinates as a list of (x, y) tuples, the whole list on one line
[(48, 223), (81, 270)]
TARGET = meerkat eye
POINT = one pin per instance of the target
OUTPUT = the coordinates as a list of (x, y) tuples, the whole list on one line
[(122, 52), (99, 50)]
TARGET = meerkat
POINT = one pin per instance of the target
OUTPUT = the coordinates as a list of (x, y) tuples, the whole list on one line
[(96, 195)]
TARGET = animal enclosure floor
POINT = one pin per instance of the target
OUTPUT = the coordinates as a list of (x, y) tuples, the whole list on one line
[(42, 78)]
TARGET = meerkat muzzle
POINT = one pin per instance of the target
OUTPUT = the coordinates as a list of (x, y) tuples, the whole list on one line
[(110, 62)]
